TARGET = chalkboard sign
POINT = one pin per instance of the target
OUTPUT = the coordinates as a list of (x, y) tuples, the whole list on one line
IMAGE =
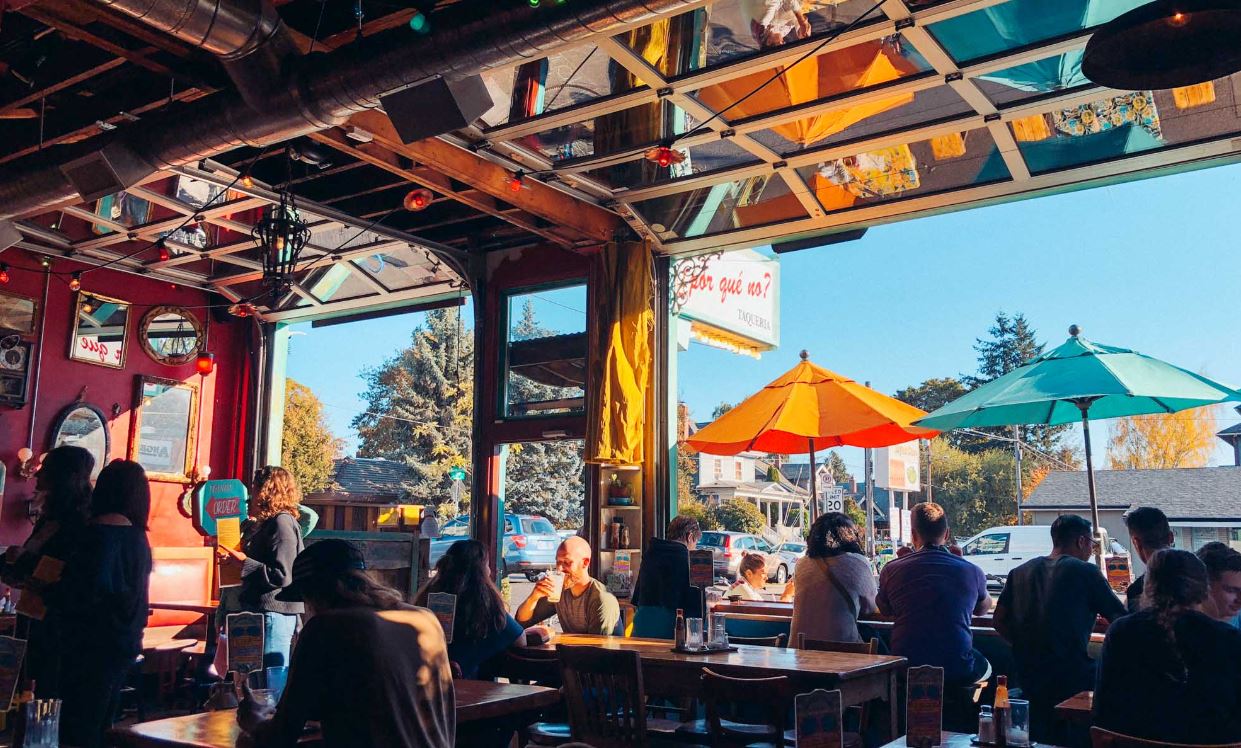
[(163, 427)]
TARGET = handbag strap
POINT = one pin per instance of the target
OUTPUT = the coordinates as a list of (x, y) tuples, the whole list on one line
[(827, 569)]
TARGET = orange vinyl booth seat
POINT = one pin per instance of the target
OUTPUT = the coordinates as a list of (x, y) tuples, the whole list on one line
[(180, 575)]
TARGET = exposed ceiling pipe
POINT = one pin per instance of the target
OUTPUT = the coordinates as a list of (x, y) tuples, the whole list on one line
[(250, 38), (330, 88)]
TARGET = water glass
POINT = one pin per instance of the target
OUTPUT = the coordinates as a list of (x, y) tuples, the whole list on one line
[(276, 678), (719, 635), (265, 697), (693, 633), (1019, 723), (42, 724)]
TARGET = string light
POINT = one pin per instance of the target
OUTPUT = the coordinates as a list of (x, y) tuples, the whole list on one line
[(516, 182), (164, 254), (75, 281), (4, 273), (418, 199), (418, 22), (247, 181), (665, 155), (205, 363)]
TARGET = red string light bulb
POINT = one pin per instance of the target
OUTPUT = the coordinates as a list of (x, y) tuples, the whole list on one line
[(418, 199), (4, 273)]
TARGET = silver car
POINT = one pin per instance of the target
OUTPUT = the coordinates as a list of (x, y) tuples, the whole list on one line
[(728, 548), (789, 552)]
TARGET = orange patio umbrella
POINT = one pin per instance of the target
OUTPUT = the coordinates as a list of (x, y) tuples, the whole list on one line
[(807, 409)]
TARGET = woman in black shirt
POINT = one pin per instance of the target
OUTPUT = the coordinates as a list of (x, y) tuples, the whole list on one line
[(104, 596), (1169, 673)]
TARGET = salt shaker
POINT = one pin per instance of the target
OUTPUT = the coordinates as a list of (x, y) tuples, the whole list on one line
[(986, 725)]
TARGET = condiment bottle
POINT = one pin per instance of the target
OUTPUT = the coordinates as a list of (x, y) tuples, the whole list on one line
[(1000, 712), (680, 633), (986, 725)]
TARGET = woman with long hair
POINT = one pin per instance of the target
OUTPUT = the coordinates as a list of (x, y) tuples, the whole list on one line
[(270, 541), (62, 493), (105, 602), (835, 583), (1169, 673), (482, 628)]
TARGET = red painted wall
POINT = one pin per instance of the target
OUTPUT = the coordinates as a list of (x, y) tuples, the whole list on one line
[(221, 415)]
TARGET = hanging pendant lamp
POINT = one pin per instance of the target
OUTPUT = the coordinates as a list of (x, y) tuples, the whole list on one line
[(280, 236), (1166, 44)]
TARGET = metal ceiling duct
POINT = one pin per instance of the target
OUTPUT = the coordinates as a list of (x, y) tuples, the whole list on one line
[(250, 38), (327, 89)]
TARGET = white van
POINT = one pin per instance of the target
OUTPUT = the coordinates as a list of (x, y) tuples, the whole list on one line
[(999, 550)]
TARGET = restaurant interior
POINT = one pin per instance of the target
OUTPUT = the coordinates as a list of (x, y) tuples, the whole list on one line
[(181, 182)]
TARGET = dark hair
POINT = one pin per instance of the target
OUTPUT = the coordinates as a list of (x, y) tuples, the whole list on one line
[(1068, 528), (751, 562), (352, 588), (680, 528), (65, 474), (833, 534), (122, 488), (1219, 558), (464, 571), (1149, 525), (929, 521), (1175, 580)]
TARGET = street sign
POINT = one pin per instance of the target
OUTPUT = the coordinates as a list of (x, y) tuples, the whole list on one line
[(834, 499), (456, 472)]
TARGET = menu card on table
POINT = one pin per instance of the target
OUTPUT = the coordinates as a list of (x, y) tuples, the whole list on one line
[(444, 606), (924, 710), (12, 652), (819, 720), (701, 568), (245, 642)]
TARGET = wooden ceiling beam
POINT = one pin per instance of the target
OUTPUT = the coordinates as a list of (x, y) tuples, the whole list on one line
[(73, 31), (378, 155), (539, 199), (69, 82)]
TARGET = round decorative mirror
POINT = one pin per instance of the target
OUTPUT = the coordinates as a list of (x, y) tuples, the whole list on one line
[(83, 425), (171, 335)]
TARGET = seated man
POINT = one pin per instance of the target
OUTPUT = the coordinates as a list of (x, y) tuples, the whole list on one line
[(369, 668), (1047, 612), (1149, 533), (585, 605), (932, 596), (1224, 575)]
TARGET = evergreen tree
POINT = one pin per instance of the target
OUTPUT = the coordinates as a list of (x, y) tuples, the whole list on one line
[(307, 445), (837, 469), (933, 394), (720, 410), (419, 405), (687, 462)]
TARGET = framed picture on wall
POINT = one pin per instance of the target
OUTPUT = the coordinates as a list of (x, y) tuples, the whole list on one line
[(18, 313), (163, 428), (100, 328)]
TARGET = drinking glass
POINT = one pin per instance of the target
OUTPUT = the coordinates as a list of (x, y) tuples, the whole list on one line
[(719, 635), (266, 697), (693, 633), (1019, 723), (42, 724), (276, 678)]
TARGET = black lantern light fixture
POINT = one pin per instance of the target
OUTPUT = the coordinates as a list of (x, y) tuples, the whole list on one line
[(281, 236), (1166, 44)]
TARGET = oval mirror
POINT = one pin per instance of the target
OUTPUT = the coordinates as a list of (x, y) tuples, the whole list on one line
[(83, 425), (171, 335)]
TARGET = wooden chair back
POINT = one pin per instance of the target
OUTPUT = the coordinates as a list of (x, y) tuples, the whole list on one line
[(180, 575), (531, 666), (604, 696), (769, 696), (1101, 738), (824, 645), (758, 641)]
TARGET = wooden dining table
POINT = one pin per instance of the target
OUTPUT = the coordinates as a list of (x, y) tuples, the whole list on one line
[(860, 678), (479, 703), (1077, 710), (950, 740)]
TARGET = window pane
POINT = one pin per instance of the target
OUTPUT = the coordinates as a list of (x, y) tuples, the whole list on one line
[(757, 201), (546, 352), (1021, 23), (988, 544), (711, 540)]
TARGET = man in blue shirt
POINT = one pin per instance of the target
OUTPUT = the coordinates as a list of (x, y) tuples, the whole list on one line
[(932, 596)]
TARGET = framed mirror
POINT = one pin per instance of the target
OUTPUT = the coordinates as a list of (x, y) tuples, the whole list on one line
[(163, 427), (99, 330), (170, 335), (84, 425)]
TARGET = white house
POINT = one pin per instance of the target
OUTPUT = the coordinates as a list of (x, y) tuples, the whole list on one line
[(744, 476)]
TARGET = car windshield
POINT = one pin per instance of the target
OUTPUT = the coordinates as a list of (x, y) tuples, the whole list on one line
[(456, 528), (539, 526), (793, 547), (712, 540)]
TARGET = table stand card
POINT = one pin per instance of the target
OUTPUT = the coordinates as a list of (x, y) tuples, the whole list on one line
[(444, 606), (245, 642), (12, 652), (924, 710), (701, 568), (818, 718)]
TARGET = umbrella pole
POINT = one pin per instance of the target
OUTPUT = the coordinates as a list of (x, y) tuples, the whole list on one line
[(814, 495), (1094, 501)]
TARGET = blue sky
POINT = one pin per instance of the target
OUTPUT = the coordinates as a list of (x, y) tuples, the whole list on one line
[(1151, 265)]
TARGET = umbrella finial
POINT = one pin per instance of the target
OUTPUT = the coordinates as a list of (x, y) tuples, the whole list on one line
[(805, 355), (1074, 330)]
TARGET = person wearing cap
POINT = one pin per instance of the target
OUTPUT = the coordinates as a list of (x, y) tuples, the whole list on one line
[(369, 668)]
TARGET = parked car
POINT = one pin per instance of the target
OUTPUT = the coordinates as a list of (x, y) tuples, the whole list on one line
[(530, 543), (789, 552), (728, 548), (999, 550)]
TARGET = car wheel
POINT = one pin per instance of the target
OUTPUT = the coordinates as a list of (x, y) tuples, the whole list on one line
[(532, 576), (782, 574)]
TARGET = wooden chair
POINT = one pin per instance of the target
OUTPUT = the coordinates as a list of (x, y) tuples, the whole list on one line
[(824, 645), (758, 641), (769, 696), (1101, 738), (538, 667), (606, 700)]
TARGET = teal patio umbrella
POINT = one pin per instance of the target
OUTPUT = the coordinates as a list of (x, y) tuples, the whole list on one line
[(1081, 380)]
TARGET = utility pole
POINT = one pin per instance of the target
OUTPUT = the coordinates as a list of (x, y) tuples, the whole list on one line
[(930, 489), (1017, 458), (870, 504)]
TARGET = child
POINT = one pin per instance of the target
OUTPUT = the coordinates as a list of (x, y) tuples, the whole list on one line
[(751, 578)]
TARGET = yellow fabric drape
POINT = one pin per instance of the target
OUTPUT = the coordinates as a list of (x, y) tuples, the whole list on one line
[(621, 359)]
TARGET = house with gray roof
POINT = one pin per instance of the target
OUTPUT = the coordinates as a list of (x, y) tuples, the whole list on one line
[(1202, 504)]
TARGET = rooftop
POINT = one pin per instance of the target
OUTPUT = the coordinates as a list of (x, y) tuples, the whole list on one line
[(1210, 493), (369, 478)]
